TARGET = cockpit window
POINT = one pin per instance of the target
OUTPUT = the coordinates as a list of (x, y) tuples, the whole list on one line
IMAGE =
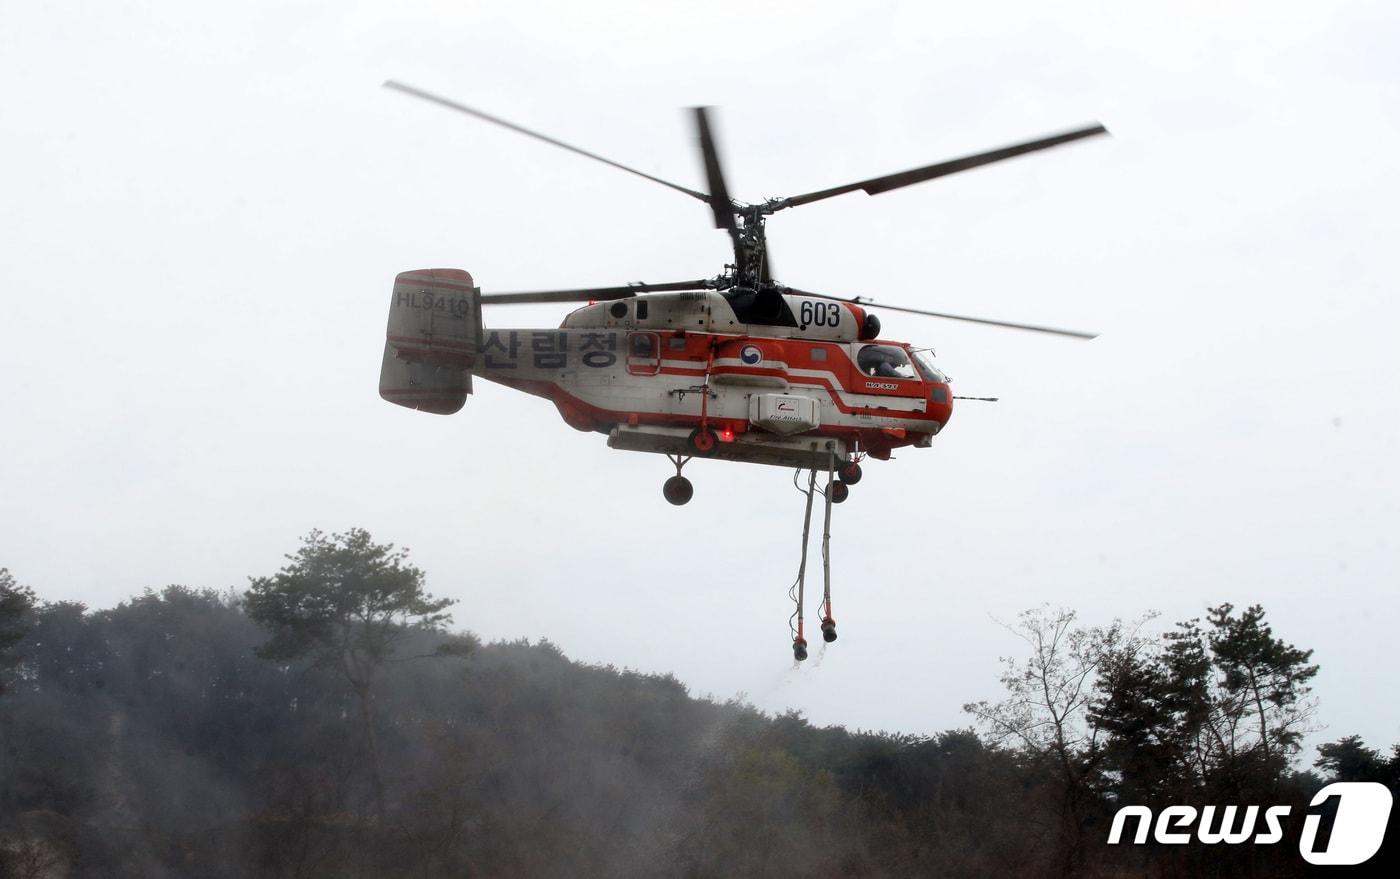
[(884, 361), (931, 372)]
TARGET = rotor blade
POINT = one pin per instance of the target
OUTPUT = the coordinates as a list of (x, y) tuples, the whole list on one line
[(463, 108), (1077, 334), (1035, 328), (593, 294), (877, 185), (720, 202)]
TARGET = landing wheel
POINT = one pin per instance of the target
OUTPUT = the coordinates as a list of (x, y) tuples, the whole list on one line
[(839, 492), (702, 442), (678, 490), (850, 473)]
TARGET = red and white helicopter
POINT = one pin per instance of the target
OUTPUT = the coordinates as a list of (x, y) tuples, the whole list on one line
[(736, 367)]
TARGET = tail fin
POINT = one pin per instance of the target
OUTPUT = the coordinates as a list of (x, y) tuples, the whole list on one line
[(433, 340)]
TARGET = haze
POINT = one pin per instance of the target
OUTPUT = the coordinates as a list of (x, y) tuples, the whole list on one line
[(207, 208)]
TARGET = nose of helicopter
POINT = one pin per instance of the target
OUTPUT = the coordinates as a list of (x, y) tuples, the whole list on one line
[(940, 403)]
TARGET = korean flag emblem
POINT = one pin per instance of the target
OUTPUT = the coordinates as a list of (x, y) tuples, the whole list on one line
[(751, 355)]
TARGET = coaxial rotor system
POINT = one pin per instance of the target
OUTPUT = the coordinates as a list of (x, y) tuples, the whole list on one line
[(750, 275)]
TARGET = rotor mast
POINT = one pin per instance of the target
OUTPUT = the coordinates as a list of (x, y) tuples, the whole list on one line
[(751, 268)]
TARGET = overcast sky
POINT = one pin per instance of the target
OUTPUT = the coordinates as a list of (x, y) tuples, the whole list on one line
[(207, 207)]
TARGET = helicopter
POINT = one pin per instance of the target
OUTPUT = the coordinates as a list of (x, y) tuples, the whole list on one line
[(735, 367)]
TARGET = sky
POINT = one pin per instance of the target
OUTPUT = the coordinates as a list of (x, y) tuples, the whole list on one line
[(207, 208)]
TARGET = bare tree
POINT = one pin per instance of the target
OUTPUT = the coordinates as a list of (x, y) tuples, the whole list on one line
[(1047, 712)]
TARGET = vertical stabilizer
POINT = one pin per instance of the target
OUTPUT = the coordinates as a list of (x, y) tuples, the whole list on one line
[(432, 341)]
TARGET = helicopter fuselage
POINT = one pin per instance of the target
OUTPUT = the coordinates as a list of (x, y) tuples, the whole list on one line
[(650, 370)]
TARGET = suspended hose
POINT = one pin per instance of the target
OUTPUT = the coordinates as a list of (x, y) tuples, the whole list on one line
[(796, 591)]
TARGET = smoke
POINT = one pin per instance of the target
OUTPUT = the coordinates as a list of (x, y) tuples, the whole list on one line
[(162, 740)]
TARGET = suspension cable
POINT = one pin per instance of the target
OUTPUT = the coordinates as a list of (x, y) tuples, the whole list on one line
[(800, 586)]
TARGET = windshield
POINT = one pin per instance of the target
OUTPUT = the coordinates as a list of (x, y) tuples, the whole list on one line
[(885, 361), (926, 365)]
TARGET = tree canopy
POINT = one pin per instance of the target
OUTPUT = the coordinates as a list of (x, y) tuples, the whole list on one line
[(154, 738), (16, 602), (345, 600)]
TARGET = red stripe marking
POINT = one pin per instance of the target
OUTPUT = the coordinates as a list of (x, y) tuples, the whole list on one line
[(431, 281), (450, 393), (823, 382), (551, 391)]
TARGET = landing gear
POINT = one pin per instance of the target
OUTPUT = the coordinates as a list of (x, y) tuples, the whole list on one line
[(850, 473), (677, 490), (702, 442)]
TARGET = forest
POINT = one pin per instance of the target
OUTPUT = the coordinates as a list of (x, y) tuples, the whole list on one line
[(330, 721)]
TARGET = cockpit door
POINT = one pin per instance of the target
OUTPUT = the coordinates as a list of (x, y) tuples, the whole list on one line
[(643, 353), (886, 371)]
